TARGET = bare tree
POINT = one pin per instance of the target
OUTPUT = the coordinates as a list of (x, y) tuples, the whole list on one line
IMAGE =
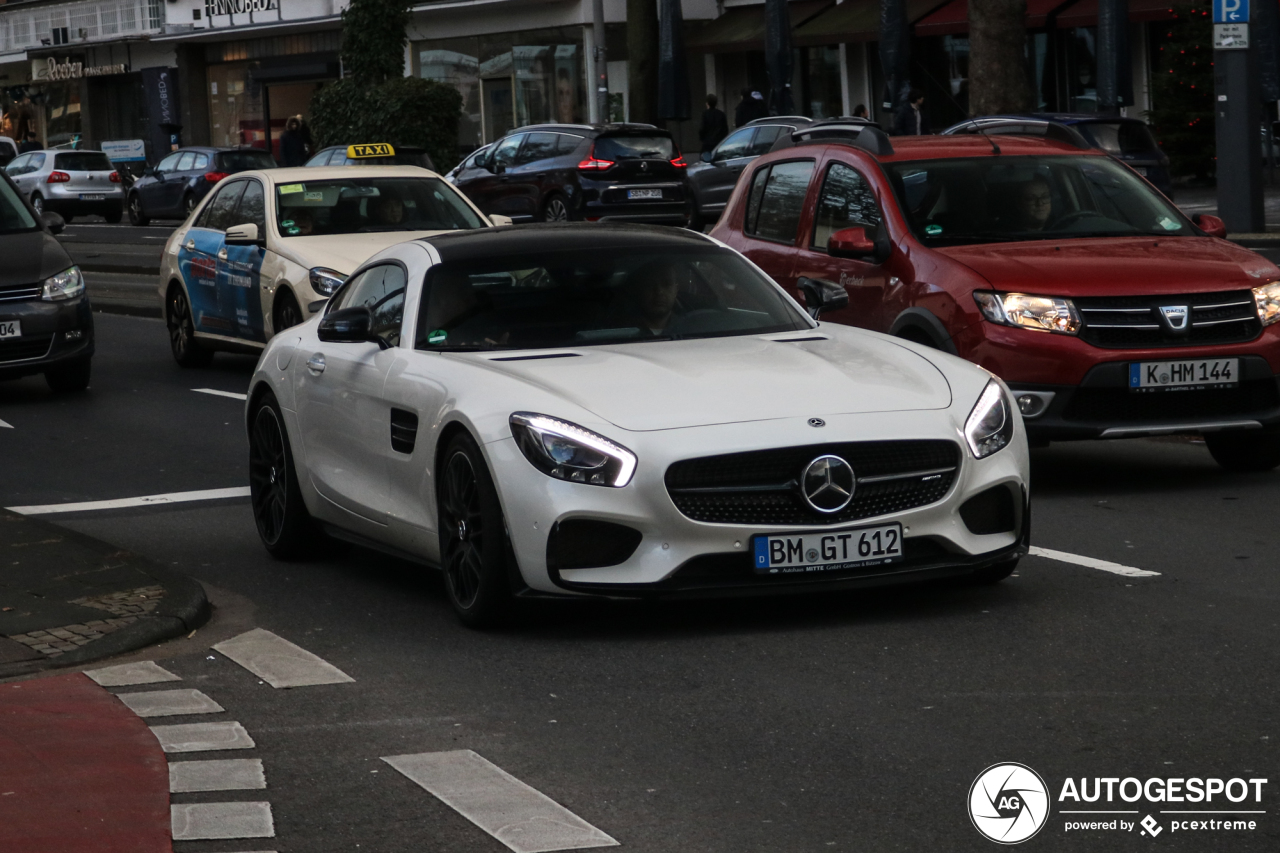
[(998, 79), (642, 60)]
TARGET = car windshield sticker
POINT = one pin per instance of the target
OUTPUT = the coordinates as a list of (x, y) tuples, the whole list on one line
[(1169, 225), (933, 230), (290, 228), (437, 337), (313, 196), (290, 188)]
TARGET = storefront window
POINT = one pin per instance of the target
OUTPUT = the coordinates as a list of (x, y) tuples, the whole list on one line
[(62, 107), (235, 106), (815, 82)]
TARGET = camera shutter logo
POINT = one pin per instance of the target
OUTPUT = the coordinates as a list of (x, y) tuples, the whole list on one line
[(1008, 803)]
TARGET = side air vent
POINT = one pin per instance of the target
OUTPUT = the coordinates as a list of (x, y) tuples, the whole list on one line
[(404, 430)]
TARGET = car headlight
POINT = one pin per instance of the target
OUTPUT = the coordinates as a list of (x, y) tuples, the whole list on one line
[(1267, 298), (1046, 313), (990, 424), (569, 452), (67, 284), (326, 281)]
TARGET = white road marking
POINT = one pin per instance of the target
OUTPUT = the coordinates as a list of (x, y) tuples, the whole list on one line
[(232, 774), (203, 821), (215, 392), (4, 425), (169, 703), (126, 503), (522, 818), (203, 737), (1090, 562), (128, 674), (279, 662)]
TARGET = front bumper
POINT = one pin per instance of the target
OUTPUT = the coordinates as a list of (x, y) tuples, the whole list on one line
[(49, 336), (677, 556)]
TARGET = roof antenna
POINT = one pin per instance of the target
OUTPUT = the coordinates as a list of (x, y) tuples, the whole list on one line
[(995, 149)]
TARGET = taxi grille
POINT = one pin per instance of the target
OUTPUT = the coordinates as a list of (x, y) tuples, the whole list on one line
[(19, 292), (761, 487), (1115, 322), (24, 349)]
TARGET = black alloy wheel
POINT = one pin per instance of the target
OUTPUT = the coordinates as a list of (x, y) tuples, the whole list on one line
[(555, 210), (182, 334), (1245, 451), (284, 525), (188, 206), (473, 539), (37, 202), (287, 313), (137, 216)]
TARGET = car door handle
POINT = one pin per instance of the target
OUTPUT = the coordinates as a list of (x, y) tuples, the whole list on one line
[(222, 254), (316, 363), (191, 245)]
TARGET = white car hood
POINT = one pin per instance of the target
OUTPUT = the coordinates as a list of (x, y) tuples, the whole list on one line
[(342, 252), (668, 385)]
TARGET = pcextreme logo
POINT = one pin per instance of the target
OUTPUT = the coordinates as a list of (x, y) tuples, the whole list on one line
[(1010, 803)]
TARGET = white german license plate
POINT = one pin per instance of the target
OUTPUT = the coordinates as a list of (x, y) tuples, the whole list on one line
[(92, 196), (644, 193), (1192, 373), (10, 329), (827, 551)]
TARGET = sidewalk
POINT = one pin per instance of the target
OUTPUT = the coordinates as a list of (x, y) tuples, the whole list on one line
[(67, 599)]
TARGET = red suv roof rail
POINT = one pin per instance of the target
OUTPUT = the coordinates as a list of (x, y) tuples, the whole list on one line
[(1040, 128), (866, 136)]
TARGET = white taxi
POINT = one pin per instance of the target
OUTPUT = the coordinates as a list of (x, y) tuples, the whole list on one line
[(266, 249)]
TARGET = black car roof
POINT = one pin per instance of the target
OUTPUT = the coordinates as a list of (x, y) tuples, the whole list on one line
[(590, 130), (552, 237)]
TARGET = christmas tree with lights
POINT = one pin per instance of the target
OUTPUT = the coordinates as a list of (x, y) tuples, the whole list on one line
[(1182, 90)]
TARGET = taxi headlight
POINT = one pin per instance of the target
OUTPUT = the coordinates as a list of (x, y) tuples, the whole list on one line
[(1267, 298), (1045, 313), (568, 452), (990, 424), (67, 284), (325, 281)]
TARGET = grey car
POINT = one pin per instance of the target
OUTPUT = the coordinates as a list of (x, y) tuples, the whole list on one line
[(71, 183), (711, 181)]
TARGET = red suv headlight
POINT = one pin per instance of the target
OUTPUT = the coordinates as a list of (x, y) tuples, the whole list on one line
[(1042, 313), (1267, 298)]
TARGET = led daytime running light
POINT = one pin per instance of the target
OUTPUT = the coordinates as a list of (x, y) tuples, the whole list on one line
[(540, 426)]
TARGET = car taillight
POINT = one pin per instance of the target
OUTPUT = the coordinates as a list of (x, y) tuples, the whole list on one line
[(679, 162), (594, 163), (57, 178), (114, 177), (214, 177)]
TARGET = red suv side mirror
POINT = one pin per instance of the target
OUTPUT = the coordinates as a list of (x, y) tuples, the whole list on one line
[(850, 243), (1211, 225)]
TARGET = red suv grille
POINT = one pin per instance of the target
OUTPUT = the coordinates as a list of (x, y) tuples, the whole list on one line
[(1116, 322)]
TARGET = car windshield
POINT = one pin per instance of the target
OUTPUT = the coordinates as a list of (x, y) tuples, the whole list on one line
[(82, 161), (585, 297), (634, 147), (1007, 198), (361, 205), (1122, 138), (14, 215), (243, 161)]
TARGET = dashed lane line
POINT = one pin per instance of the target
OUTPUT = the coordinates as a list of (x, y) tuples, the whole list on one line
[(522, 818), (1092, 563), (130, 674), (127, 503), (230, 774), (203, 737), (209, 821), (279, 662), (170, 703), (215, 392)]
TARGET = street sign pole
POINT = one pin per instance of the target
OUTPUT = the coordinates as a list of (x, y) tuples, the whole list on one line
[(1238, 119)]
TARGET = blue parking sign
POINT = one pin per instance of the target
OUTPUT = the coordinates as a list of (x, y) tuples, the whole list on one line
[(1231, 11)]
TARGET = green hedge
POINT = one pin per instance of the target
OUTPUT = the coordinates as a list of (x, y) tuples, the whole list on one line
[(401, 111)]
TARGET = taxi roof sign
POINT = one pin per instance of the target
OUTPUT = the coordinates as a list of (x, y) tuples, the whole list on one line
[(372, 149)]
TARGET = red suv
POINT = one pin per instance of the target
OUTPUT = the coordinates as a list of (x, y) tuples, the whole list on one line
[(1106, 310)]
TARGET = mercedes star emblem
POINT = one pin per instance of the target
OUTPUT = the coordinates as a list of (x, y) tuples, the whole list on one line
[(827, 484)]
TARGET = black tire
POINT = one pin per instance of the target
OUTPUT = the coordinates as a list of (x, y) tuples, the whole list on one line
[(284, 525), (70, 378), (188, 205), (68, 218), (993, 574), (1245, 451), (182, 332), (37, 202), (696, 221), (287, 313), (474, 552), (556, 209), (137, 216), (114, 216)]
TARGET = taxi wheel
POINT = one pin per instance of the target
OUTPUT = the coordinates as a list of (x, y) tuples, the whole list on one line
[(993, 574), (286, 528), (473, 539), (1251, 451), (69, 378), (182, 334), (136, 214), (287, 313)]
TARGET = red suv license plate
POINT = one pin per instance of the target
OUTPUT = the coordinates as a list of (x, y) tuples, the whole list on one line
[(1182, 375)]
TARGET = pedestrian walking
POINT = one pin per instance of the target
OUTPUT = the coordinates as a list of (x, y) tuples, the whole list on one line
[(860, 111), (29, 144), (293, 146), (911, 119), (752, 107), (714, 125)]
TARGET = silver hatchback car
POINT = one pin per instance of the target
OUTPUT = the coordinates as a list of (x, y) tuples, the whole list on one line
[(71, 183)]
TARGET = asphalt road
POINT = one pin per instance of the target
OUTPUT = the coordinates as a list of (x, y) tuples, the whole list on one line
[(840, 722)]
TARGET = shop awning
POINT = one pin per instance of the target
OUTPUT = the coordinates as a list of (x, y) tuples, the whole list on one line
[(1085, 13), (855, 20), (954, 17), (742, 27)]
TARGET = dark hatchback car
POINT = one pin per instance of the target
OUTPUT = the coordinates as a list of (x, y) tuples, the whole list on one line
[(711, 181), (45, 322), (556, 172), (173, 187), (1129, 140)]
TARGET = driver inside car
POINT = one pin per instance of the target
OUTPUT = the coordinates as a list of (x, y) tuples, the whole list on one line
[(1033, 204), (652, 292), (386, 209)]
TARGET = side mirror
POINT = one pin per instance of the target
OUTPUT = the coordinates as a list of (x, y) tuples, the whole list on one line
[(243, 235), (708, 156), (53, 221), (498, 168), (499, 220), (821, 296), (1211, 225), (850, 243), (348, 326)]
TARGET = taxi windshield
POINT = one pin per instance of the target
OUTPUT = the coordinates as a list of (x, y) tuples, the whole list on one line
[(585, 297), (362, 205), (1016, 198)]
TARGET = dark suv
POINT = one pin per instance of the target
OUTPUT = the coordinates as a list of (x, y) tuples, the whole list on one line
[(555, 172), (173, 187), (711, 181)]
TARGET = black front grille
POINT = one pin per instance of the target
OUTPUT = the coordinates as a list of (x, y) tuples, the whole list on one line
[(1115, 322), (19, 293), (1117, 405), (22, 349), (761, 487)]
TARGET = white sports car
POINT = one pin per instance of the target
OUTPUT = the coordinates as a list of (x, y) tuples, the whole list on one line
[(586, 409)]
